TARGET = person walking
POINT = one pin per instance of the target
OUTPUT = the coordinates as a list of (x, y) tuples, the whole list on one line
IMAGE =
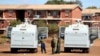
[(53, 45), (43, 47)]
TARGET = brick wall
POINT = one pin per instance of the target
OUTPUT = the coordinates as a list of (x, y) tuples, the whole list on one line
[(76, 14), (7, 14), (3, 23), (72, 15), (65, 14)]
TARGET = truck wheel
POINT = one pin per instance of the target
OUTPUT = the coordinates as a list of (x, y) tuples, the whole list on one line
[(67, 49), (86, 50), (13, 50), (31, 50), (35, 50), (64, 49)]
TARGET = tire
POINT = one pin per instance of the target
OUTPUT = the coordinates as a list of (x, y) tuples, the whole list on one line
[(33, 50), (67, 50), (64, 49), (13, 50), (86, 50)]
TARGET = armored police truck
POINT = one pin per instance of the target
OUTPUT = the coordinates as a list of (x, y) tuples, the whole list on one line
[(76, 36), (24, 36)]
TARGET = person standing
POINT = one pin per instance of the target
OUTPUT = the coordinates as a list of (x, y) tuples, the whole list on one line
[(53, 45), (58, 46), (43, 47)]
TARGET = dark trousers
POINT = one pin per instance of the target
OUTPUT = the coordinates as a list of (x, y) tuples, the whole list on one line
[(53, 50), (43, 50)]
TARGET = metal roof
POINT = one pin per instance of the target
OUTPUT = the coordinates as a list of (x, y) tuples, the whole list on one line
[(40, 7)]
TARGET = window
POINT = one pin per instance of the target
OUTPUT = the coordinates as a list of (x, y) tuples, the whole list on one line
[(38, 14), (97, 14), (10, 12), (43, 14), (86, 17), (29, 12), (49, 13), (1, 14), (83, 18), (1, 21), (67, 12), (54, 13)]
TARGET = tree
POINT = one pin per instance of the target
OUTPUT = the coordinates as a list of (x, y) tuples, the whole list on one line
[(41, 23), (64, 2), (78, 2), (15, 22), (53, 28), (92, 7), (75, 2), (55, 2), (69, 2)]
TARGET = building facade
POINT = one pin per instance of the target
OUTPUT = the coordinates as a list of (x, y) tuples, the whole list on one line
[(91, 17), (59, 14)]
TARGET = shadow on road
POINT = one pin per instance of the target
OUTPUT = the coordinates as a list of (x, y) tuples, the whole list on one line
[(80, 52), (9, 52)]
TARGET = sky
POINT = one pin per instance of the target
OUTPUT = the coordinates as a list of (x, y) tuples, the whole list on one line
[(85, 3)]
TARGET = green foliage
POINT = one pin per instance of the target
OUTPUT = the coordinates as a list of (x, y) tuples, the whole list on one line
[(55, 2), (69, 2), (75, 2), (79, 3), (64, 2), (53, 28), (41, 23), (15, 22), (3, 37), (92, 7)]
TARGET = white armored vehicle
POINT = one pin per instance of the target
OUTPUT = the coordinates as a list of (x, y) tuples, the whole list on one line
[(24, 36), (76, 36)]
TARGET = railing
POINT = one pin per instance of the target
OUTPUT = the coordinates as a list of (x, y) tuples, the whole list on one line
[(52, 18), (48, 18), (9, 18), (2, 28)]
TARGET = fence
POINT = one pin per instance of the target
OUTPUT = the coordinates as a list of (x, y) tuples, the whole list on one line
[(42, 32), (95, 31), (61, 31), (99, 33)]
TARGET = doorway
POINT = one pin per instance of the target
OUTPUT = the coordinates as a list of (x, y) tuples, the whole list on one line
[(1, 14), (20, 15)]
